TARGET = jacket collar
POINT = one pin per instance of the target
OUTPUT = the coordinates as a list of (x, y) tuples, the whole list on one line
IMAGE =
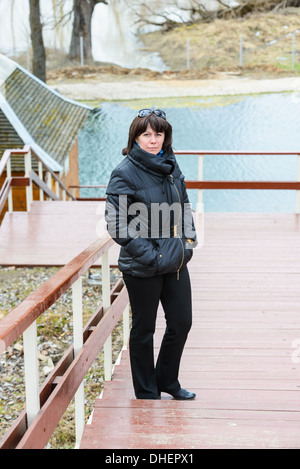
[(160, 165)]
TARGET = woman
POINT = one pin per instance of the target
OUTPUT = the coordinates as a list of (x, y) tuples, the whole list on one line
[(149, 215)]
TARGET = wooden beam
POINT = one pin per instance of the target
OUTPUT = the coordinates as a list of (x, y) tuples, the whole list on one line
[(19, 427), (269, 185), (230, 152), (34, 178), (44, 424), (21, 317), (17, 181)]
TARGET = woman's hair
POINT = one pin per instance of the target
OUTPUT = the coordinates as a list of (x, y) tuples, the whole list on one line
[(140, 124)]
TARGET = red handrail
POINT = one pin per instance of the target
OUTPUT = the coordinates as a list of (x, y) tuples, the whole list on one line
[(269, 185), (234, 152), (20, 318), (196, 184), (61, 385), (23, 151), (8, 153)]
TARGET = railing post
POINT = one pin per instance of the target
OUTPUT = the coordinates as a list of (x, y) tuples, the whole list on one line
[(298, 192), (49, 181), (29, 193), (77, 344), (31, 372), (41, 177), (200, 178), (126, 327), (57, 189), (106, 305), (10, 199)]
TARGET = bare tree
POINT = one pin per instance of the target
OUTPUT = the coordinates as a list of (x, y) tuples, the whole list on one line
[(244, 7), (164, 14), (38, 49), (82, 18), (168, 14)]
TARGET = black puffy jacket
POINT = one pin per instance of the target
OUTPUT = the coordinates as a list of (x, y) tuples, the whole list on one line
[(151, 243)]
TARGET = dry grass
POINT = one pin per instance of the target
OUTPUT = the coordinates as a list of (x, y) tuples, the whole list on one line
[(214, 48), (216, 44)]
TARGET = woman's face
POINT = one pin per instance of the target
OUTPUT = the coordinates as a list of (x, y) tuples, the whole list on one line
[(151, 141)]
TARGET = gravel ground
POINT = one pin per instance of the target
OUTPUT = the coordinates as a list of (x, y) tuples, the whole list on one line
[(54, 337)]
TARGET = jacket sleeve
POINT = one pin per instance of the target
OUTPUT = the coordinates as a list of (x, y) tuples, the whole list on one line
[(188, 226), (120, 196)]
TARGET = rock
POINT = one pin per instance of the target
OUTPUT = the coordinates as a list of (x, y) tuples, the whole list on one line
[(43, 357), (49, 367), (18, 347)]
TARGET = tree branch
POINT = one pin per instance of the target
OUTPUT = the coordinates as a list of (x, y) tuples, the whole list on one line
[(159, 13)]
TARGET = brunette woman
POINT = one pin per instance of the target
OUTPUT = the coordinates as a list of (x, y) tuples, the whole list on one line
[(148, 213)]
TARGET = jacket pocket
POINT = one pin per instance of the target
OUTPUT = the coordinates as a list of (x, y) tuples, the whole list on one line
[(143, 250), (137, 269), (170, 255)]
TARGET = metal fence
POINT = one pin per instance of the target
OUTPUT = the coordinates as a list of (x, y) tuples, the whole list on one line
[(281, 52)]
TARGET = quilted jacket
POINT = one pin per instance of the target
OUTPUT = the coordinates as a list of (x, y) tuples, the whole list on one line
[(148, 214)]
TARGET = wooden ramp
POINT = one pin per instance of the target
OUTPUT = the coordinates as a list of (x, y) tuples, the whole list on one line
[(242, 357), (52, 233)]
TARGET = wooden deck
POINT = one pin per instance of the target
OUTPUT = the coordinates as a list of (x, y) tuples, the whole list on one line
[(52, 233), (241, 357)]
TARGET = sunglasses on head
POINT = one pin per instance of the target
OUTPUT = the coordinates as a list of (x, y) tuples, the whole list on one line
[(157, 112)]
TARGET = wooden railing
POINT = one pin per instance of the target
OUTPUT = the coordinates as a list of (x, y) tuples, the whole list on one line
[(200, 184), (61, 192), (46, 406), (82, 186)]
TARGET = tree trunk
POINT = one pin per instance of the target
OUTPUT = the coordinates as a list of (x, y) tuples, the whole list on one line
[(38, 49), (83, 11)]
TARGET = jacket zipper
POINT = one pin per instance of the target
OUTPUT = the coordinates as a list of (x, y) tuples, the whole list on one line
[(182, 259)]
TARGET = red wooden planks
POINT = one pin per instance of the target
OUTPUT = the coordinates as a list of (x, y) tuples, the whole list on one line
[(42, 236), (241, 357)]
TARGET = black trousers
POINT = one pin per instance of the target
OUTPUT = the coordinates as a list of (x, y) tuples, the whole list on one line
[(144, 295)]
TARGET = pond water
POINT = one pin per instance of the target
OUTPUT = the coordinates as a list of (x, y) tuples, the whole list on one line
[(264, 122)]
